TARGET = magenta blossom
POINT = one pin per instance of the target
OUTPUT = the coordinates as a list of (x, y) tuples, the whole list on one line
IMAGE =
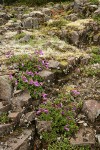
[(30, 73), (66, 128), (75, 92), (40, 52), (24, 79), (45, 111), (10, 76), (22, 64), (16, 82), (36, 83), (44, 95), (31, 82), (39, 67), (38, 112), (9, 54)]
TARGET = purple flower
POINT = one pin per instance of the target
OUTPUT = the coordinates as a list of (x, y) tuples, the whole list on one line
[(9, 54), (22, 64), (47, 65), (10, 76), (36, 83), (36, 73), (38, 112), (62, 113), (75, 92), (44, 95), (24, 79), (31, 82), (67, 129), (45, 111), (41, 83), (39, 68), (30, 73), (41, 52), (16, 82), (43, 62)]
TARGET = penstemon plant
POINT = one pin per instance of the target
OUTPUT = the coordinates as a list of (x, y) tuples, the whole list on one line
[(28, 75)]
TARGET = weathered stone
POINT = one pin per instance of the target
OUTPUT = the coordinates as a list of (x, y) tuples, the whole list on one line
[(37, 14), (4, 15), (21, 142), (6, 129), (96, 38), (97, 12), (53, 64), (78, 4), (47, 75), (36, 23), (58, 7), (4, 108), (92, 109), (43, 126), (74, 37), (85, 60), (72, 17), (21, 100), (14, 116), (28, 23), (98, 137), (25, 39), (47, 11), (27, 118), (84, 136), (5, 89)]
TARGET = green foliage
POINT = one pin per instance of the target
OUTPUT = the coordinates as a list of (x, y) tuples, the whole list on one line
[(61, 112), (4, 118), (95, 55), (97, 18), (58, 23), (94, 1), (19, 36), (63, 144), (91, 69)]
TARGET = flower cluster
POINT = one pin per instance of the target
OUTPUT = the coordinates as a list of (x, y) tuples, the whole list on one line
[(41, 110), (28, 76), (75, 93)]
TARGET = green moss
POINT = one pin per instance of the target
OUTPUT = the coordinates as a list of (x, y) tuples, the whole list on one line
[(63, 144), (58, 23), (95, 55), (4, 118), (94, 1), (97, 18), (19, 36)]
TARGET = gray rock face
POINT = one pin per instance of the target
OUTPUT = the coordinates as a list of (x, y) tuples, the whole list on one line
[(92, 109), (30, 23), (43, 126), (78, 4), (72, 17), (74, 37), (97, 12), (83, 137), (5, 89), (53, 64)]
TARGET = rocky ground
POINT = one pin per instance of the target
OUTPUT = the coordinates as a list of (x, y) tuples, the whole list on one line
[(69, 35)]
